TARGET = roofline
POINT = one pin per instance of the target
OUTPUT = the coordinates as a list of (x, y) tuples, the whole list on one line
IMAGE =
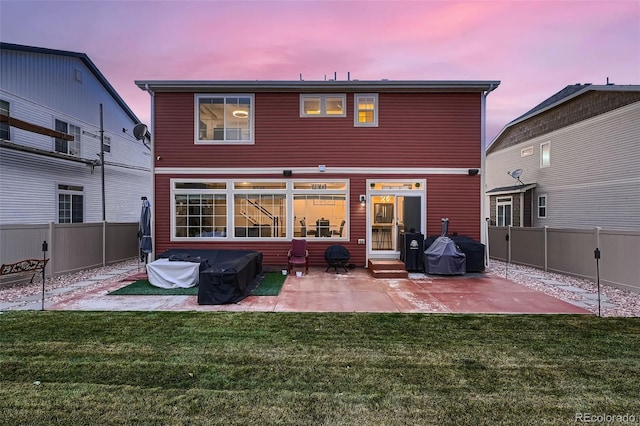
[(89, 64), (502, 191), (591, 87), (320, 86)]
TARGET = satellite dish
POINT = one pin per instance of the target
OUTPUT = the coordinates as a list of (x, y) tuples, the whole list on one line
[(140, 131), (516, 175)]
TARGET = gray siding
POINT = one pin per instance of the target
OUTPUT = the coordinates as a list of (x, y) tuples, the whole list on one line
[(41, 88), (591, 181)]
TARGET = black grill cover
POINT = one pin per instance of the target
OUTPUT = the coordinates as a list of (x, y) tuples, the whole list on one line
[(473, 250), (336, 256), (444, 258)]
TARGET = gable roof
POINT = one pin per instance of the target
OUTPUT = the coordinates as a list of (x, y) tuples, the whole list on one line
[(563, 96), (87, 62)]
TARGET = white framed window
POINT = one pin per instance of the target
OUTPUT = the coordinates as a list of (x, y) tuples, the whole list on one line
[(542, 206), (366, 110), (5, 132), (106, 145), (262, 209), (224, 119), (503, 211), (64, 146), (330, 105), (545, 154), (70, 204), (526, 152)]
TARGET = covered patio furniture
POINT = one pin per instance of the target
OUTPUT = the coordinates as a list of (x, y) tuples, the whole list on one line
[(298, 255), (336, 256)]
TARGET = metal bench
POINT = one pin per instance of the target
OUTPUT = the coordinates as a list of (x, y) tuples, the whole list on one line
[(26, 266)]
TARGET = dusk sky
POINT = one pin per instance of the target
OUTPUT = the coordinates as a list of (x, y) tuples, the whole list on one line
[(535, 48)]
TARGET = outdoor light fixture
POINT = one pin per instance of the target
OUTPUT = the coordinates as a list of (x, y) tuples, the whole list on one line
[(473, 172), (363, 199), (240, 113)]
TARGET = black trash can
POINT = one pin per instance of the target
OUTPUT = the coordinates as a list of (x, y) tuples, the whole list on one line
[(411, 250)]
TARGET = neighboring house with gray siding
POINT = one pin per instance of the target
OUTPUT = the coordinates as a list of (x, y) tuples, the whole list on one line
[(50, 142), (575, 157)]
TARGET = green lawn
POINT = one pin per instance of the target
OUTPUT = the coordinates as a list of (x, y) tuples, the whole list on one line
[(113, 368)]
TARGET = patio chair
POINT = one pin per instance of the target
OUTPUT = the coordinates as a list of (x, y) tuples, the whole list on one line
[(298, 255)]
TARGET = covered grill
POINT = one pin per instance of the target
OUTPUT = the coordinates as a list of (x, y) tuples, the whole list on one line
[(337, 256), (443, 257)]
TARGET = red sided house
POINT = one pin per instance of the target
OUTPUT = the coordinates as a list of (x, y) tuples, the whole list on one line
[(255, 164)]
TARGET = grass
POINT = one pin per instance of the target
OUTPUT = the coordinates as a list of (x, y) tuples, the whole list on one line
[(269, 286), (177, 368)]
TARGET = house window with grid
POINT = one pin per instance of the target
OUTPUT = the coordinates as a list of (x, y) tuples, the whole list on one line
[(323, 105), (106, 145), (200, 210), (64, 146), (224, 119), (366, 110), (70, 204), (542, 206), (545, 154), (503, 211), (4, 127)]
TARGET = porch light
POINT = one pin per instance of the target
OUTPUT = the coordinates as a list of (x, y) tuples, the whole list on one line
[(240, 113), (363, 200)]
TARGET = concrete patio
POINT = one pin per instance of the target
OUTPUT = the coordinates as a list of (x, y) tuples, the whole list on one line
[(353, 291)]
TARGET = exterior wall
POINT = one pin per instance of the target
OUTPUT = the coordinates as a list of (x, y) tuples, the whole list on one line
[(284, 139), (447, 135), (587, 106), (591, 181), (41, 88), (454, 196)]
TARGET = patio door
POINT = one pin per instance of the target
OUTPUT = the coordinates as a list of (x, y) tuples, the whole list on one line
[(392, 209)]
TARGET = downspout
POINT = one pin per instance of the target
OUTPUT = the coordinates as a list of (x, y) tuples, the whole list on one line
[(153, 172)]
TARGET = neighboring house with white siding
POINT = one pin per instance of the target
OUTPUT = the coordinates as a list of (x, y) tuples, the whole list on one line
[(46, 96), (575, 157)]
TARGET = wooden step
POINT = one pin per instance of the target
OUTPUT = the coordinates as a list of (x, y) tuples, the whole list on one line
[(389, 273), (385, 264), (387, 268)]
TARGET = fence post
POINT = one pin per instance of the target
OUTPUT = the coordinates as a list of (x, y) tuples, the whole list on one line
[(52, 255), (546, 250), (104, 243)]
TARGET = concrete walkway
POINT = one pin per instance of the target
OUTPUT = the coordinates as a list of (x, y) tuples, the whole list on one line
[(355, 291)]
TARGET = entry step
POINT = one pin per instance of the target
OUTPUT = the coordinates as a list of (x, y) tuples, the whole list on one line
[(387, 268)]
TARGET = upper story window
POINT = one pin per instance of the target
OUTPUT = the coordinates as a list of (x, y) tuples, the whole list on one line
[(366, 110), (224, 119), (4, 127), (323, 105), (65, 146), (545, 154), (526, 152)]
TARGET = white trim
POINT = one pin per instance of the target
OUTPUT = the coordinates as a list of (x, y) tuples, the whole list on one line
[(310, 170), (196, 119), (542, 164), (356, 110), (322, 98), (546, 206)]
